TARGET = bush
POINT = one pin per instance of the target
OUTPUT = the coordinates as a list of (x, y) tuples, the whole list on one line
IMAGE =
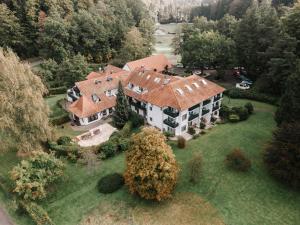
[(234, 118), (58, 90), (168, 135), (64, 140), (181, 142), (225, 112), (71, 152), (36, 213), (126, 130), (202, 125), (196, 136), (237, 160), (191, 131), (195, 168), (242, 112), (31, 177), (251, 94), (108, 149), (110, 183), (123, 144), (136, 120), (282, 156), (249, 107), (59, 120)]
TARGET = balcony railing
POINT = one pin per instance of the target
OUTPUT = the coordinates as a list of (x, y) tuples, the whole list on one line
[(206, 102), (194, 107), (216, 107), (205, 111), (171, 123), (138, 105), (217, 98), (171, 112), (193, 116)]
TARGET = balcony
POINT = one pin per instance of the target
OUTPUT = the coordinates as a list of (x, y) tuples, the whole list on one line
[(205, 111), (217, 107), (171, 123), (138, 105), (193, 116), (194, 107), (171, 112), (217, 98), (206, 102)]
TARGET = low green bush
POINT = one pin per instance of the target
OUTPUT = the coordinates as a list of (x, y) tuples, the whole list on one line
[(36, 212), (234, 118), (238, 161), (126, 130), (181, 142), (196, 136), (123, 144), (191, 131), (72, 152), (249, 107), (58, 90), (108, 149), (110, 183), (168, 135), (195, 168), (59, 120), (202, 125), (242, 112), (64, 140), (251, 94)]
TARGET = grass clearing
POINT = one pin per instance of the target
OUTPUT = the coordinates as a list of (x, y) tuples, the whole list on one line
[(240, 198)]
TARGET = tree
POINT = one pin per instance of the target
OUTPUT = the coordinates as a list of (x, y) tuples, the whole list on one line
[(292, 24), (73, 69), (32, 177), (289, 106), (49, 72), (227, 25), (256, 32), (54, 39), (133, 46), (146, 27), (201, 24), (122, 113), (282, 156), (207, 49), (23, 111), (10, 29), (151, 168)]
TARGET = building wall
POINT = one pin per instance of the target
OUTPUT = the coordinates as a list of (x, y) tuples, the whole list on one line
[(155, 116)]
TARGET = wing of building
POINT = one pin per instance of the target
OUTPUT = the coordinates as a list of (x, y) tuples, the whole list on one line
[(170, 103)]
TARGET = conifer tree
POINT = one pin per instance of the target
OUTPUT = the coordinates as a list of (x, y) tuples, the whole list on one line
[(122, 112)]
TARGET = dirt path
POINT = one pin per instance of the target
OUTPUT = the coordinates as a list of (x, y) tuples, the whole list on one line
[(4, 219)]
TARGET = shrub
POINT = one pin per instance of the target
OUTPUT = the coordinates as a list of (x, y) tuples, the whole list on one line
[(196, 136), (249, 107), (31, 177), (168, 135), (237, 160), (282, 156), (213, 119), (59, 120), (202, 125), (202, 132), (234, 118), (123, 144), (149, 150), (224, 112), (191, 131), (58, 90), (136, 120), (126, 130), (242, 112), (71, 152), (108, 149), (181, 142), (64, 140), (36, 213), (110, 183), (195, 168)]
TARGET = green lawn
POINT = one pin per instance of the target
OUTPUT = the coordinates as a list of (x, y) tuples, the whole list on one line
[(52, 103), (241, 198)]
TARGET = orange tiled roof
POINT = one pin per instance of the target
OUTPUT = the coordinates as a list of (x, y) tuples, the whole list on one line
[(176, 92), (109, 69), (157, 62)]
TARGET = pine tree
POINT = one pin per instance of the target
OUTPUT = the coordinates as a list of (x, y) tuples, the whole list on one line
[(152, 170), (289, 107), (122, 112)]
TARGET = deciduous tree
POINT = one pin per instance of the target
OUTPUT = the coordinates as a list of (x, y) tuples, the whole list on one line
[(151, 168)]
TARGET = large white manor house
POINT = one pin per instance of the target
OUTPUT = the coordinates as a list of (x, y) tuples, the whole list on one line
[(169, 103)]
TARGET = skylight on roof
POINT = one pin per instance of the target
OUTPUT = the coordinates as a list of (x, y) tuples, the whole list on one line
[(148, 77), (157, 80), (203, 81), (180, 91), (189, 88), (196, 85)]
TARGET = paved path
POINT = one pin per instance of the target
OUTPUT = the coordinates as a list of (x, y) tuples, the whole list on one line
[(4, 219)]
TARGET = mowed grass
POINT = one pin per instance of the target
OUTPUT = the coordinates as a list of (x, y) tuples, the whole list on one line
[(240, 198)]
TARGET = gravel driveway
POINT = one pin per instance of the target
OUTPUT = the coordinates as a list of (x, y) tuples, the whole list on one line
[(4, 219)]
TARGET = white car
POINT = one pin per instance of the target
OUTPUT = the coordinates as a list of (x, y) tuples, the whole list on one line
[(197, 72), (242, 86)]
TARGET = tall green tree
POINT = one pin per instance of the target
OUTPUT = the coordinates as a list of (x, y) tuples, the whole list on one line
[(227, 25), (292, 24), (122, 111), (257, 31), (289, 107), (10, 29), (24, 122)]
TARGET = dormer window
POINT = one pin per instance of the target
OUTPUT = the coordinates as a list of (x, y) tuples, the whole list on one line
[(189, 88), (130, 86), (95, 98), (180, 91)]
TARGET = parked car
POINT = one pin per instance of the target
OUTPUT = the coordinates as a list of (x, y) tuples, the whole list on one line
[(246, 80), (197, 72), (242, 86), (179, 65)]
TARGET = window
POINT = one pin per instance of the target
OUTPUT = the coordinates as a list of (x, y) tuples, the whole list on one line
[(184, 117), (93, 118), (183, 128), (150, 118), (150, 108), (180, 91)]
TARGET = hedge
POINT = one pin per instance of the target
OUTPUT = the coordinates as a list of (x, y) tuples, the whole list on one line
[(36, 213), (58, 90), (110, 183), (59, 120), (70, 151), (252, 95)]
